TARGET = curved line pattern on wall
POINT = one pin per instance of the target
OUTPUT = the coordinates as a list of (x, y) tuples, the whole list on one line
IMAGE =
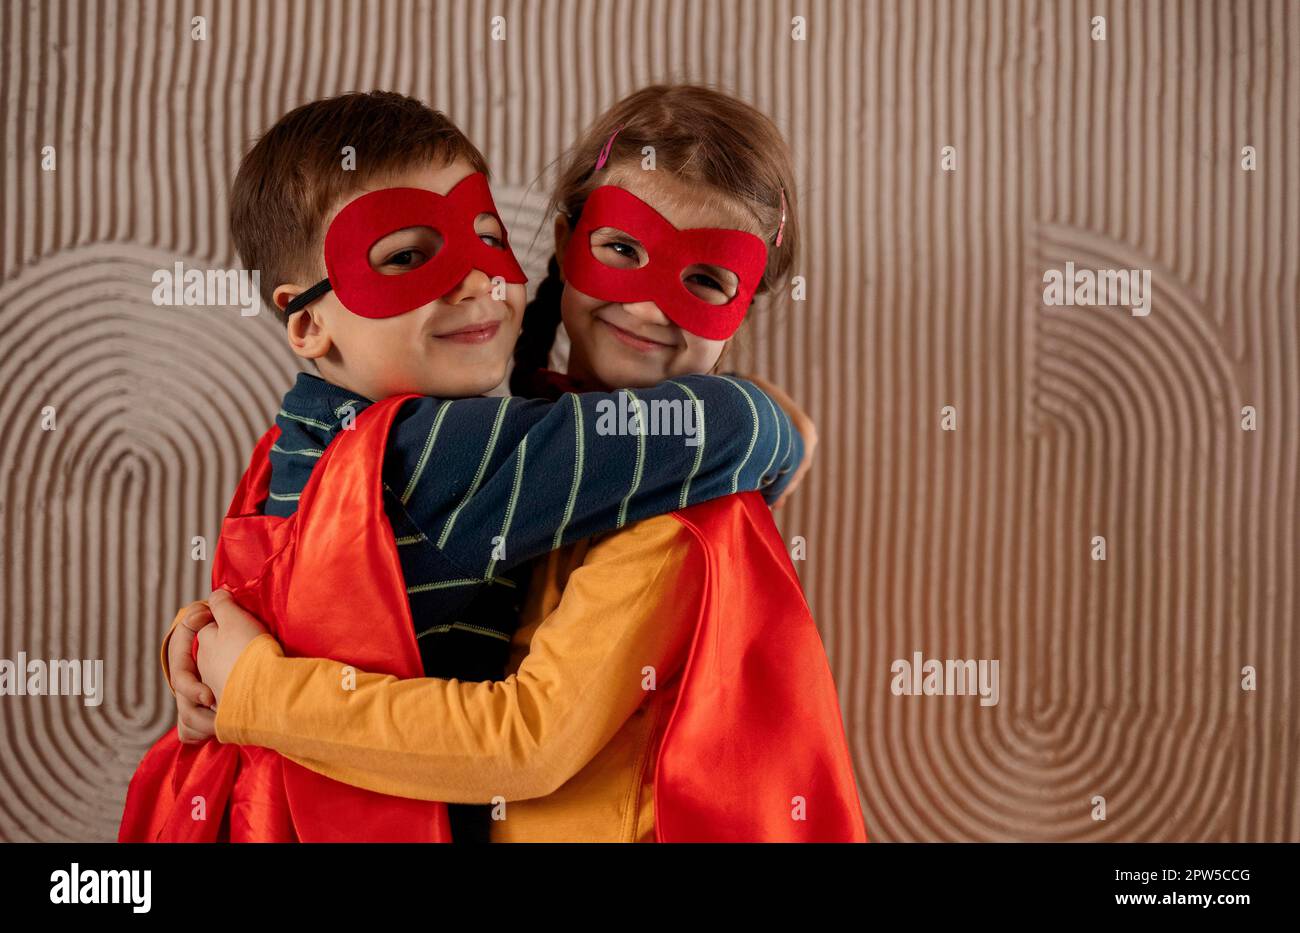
[(149, 439), (924, 290)]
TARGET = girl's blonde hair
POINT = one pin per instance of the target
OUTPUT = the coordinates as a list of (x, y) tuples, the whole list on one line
[(697, 134)]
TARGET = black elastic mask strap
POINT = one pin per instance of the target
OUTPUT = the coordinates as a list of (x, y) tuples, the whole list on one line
[(307, 297)]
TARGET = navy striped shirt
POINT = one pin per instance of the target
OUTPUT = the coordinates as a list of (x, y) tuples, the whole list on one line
[(476, 487)]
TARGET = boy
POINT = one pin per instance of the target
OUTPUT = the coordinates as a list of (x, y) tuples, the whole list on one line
[(397, 277)]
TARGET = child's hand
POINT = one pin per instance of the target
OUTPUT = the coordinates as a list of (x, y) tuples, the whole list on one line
[(195, 721), (221, 645), (802, 423), (194, 716)]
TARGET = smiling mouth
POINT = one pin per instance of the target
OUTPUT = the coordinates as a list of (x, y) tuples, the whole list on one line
[(633, 340), (475, 333)]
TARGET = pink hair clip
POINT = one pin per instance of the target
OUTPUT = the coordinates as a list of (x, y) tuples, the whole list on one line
[(604, 153), (780, 231)]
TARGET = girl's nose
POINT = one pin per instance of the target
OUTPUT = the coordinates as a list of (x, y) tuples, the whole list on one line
[(648, 312)]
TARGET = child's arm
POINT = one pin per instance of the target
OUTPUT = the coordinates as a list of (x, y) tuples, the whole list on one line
[(493, 482), (804, 428), (463, 742)]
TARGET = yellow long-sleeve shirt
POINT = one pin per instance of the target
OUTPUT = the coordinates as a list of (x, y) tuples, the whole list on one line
[(566, 739)]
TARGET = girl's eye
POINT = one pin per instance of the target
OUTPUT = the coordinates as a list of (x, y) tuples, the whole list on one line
[(706, 281), (707, 287), (625, 254), (616, 249), (492, 240)]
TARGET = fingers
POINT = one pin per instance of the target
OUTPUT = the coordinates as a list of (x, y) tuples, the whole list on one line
[(184, 671), (186, 680), (195, 721), (188, 686), (178, 650), (207, 638), (237, 622), (195, 724), (223, 606), (198, 615)]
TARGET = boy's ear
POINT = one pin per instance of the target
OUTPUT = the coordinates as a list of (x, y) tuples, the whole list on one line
[(307, 335), (284, 294), (562, 232)]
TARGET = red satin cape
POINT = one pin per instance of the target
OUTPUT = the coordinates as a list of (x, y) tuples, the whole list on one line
[(754, 749), (349, 603)]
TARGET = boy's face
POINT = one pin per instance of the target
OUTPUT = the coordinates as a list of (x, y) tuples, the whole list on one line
[(457, 345)]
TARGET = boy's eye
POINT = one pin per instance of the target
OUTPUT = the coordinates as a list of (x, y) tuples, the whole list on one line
[(490, 231), (405, 250), (409, 258)]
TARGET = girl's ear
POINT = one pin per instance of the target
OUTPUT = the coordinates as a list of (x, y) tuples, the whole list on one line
[(562, 232)]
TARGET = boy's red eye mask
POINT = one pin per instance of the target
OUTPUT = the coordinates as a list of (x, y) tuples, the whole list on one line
[(373, 216), (671, 252)]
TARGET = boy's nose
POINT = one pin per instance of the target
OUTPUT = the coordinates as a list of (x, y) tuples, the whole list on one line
[(475, 285), (647, 311)]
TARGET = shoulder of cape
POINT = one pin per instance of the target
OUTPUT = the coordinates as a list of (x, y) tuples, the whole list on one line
[(363, 444)]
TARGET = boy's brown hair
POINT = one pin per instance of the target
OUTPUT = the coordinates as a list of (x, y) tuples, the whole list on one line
[(289, 180)]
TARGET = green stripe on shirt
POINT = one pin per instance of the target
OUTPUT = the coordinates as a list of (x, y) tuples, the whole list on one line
[(699, 451), (578, 456), (510, 507), (304, 452), (777, 446), (478, 477), (753, 438), (311, 421), (424, 454), (640, 458)]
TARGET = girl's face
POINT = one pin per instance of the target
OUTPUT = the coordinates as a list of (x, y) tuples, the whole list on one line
[(630, 345)]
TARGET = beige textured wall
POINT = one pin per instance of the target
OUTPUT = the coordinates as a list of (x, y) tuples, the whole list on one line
[(1119, 678)]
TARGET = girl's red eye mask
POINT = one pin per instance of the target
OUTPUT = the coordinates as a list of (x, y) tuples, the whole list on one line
[(372, 216), (671, 252)]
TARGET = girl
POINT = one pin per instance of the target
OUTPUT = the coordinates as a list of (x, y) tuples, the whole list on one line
[(635, 710)]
